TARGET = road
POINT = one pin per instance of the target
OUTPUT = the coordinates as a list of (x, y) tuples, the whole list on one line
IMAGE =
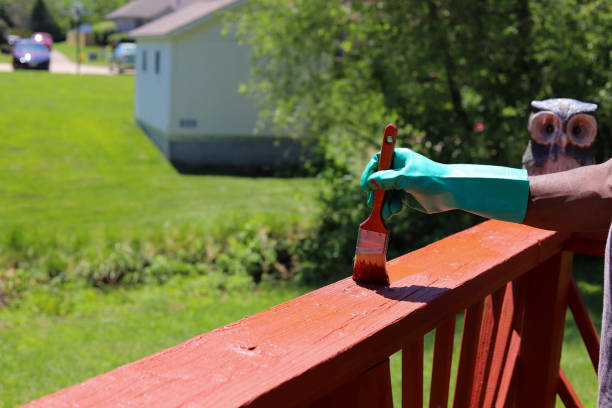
[(60, 64)]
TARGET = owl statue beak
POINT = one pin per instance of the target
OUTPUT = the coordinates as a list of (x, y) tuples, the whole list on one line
[(564, 140)]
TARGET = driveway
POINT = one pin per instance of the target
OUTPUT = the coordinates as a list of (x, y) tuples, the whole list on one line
[(60, 64)]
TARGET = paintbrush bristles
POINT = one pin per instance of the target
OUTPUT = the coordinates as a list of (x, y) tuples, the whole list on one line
[(371, 268), (370, 260)]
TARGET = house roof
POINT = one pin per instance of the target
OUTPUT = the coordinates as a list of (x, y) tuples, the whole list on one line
[(147, 9), (183, 18)]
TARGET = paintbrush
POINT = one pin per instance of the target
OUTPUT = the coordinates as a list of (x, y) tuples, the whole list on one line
[(370, 260)]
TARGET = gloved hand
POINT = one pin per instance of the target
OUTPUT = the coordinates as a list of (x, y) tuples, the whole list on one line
[(425, 185)]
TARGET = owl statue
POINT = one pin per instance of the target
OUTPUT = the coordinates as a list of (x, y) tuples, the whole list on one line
[(562, 133)]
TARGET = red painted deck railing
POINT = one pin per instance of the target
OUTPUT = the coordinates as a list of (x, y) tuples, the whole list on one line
[(330, 347)]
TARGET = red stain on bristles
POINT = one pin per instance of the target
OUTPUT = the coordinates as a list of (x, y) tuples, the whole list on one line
[(366, 270)]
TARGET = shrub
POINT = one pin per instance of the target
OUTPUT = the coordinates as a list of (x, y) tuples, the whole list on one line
[(229, 254), (117, 38), (103, 30)]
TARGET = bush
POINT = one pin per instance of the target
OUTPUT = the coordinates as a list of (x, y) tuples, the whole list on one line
[(103, 30), (117, 38), (230, 254)]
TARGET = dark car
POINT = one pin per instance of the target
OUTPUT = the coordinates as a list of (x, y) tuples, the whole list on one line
[(31, 54)]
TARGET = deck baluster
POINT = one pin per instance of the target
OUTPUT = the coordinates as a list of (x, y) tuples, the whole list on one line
[(469, 352), (542, 331), (412, 374), (442, 360)]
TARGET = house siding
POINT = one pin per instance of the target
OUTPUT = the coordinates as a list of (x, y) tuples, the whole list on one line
[(216, 65), (152, 102)]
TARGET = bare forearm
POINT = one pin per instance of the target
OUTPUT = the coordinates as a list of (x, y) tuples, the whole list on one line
[(574, 200)]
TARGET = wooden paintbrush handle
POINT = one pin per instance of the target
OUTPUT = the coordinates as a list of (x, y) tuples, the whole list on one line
[(384, 163), (375, 221), (386, 151)]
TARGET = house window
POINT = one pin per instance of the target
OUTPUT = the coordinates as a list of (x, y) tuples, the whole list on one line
[(157, 57), (144, 60)]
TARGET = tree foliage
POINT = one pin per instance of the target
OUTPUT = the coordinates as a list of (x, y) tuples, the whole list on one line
[(42, 20), (103, 30), (456, 76), (17, 13), (436, 67)]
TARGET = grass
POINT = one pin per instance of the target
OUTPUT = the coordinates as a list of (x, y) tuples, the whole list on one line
[(70, 51), (41, 352), (5, 58), (73, 161)]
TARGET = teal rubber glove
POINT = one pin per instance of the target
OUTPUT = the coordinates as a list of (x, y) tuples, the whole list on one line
[(425, 185)]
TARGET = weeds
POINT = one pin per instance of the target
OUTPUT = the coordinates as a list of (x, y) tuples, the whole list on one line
[(236, 253)]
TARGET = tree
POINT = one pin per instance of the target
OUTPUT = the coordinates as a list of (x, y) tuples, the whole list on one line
[(437, 67), (456, 76), (5, 18), (42, 20), (15, 13)]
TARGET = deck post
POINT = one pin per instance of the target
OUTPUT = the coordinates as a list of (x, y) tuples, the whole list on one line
[(542, 331)]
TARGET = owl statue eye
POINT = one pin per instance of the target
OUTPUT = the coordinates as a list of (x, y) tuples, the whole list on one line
[(545, 128), (581, 130)]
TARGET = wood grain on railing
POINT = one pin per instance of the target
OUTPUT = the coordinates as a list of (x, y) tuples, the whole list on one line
[(303, 351)]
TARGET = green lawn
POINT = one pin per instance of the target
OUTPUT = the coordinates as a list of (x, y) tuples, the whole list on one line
[(70, 52), (41, 352), (72, 161), (5, 58)]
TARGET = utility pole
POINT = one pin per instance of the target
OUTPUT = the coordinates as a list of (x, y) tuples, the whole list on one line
[(77, 12)]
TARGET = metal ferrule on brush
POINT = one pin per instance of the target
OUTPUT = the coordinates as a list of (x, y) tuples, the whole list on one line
[(372, 242)]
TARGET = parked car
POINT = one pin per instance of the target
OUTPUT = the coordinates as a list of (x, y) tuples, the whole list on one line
[(31, 54), (43, 38), (124, 57), (12, 40)]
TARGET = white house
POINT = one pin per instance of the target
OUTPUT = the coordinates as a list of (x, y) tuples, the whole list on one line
[(187, 100)]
